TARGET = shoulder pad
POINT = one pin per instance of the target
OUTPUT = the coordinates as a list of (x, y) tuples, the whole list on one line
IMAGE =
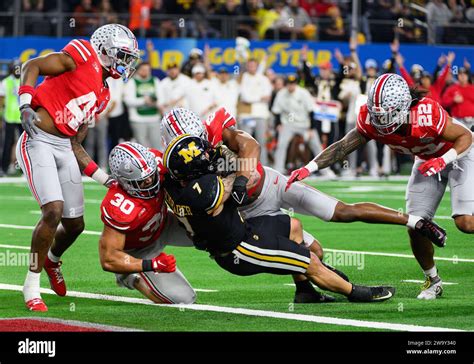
[(79, 50)]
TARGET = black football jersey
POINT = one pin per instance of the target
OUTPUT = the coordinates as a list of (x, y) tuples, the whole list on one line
[(194, 205)]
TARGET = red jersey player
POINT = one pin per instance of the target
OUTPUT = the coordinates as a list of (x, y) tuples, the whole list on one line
[(137, 227), (412, 124), (265, 187), (55, 117)]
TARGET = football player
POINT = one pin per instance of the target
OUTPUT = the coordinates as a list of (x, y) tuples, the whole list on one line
[(264, 244), (262, 190), (410, 123), (55, 117), (137, 227)]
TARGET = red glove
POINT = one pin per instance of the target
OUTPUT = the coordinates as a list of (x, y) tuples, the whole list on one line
[(164, 263), (432, 166), (297, 175)]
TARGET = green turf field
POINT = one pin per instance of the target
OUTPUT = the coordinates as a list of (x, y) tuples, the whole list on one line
[(264, 300)]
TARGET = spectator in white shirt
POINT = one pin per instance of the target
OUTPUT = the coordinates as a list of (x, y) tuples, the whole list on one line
[(119, 125), (227, 90), (293, 108), (201, 95), (172, 90), (141, 94), (255, 94)]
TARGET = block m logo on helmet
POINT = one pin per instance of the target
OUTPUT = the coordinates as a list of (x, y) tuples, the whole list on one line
[(190, 152)]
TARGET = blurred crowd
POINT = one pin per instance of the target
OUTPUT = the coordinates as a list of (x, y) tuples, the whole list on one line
[(293, 117), (412, 21)]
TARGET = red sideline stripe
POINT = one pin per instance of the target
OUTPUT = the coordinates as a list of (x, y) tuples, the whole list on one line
[(32, 325), (26, 160), (377, 95), (154, 290), (137, 155)]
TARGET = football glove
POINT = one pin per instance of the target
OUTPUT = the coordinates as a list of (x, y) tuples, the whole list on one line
[(164, 263), (297, 175), (29, 118), (432, 166), (239, 190)]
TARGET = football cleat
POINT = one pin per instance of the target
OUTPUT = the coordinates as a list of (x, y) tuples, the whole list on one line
[(431, 289), (312, 297), (371, 294), (55, 276), (36, 304), (432, 231)]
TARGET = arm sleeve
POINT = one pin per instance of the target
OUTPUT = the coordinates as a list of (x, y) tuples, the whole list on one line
[(276, 108), (406, 76), (447, 99), (441, 80)]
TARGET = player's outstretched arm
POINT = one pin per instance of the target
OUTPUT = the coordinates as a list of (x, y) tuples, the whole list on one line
[(332, 154), (462, 139), (86, 164), (52, 64), (114, 259), (248, 153)]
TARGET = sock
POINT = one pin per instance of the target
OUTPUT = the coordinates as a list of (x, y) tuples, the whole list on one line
[(412, 220), (304, 286), (31, 288), (432, 272), (53, 257)]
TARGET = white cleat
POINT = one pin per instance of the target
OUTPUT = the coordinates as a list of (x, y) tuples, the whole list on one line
[(431, 289)]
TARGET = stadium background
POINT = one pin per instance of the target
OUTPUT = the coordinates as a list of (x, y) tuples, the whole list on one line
[(169, 33)]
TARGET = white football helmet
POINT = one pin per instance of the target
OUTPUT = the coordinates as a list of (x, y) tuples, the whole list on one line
[(117, 49), (388, 103), (131, 164), (180, 121)]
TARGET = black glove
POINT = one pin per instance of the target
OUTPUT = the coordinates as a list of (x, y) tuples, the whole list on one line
[(28, 119), (239, 190)]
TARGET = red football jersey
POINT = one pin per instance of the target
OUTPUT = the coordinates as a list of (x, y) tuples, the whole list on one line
[(427, 122), (141, 220), (215, 125), (74, 98)]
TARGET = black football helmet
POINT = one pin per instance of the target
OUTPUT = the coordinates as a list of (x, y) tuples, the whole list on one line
[(188, 157)]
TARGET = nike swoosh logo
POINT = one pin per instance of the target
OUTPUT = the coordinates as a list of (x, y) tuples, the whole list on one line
[(384, 297), (276, 181)]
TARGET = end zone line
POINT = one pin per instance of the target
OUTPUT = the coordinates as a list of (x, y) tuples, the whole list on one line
[(249, 312), (396, 255)]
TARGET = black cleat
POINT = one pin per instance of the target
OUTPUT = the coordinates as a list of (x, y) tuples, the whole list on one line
[(312, 297), (337, 271), (432, 231), (371, 294)]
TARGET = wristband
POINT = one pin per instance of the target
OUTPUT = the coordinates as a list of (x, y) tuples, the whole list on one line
[(91, 168), (450, 156), (26, 94), (147, 265), (100, 176), (312, 167)]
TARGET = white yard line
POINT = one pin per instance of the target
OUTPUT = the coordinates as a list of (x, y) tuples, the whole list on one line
[(409, 256), (420, 281), (23, 227), (250, 312)]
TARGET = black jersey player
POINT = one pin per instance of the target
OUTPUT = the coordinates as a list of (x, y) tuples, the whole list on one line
[(266, 244)]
